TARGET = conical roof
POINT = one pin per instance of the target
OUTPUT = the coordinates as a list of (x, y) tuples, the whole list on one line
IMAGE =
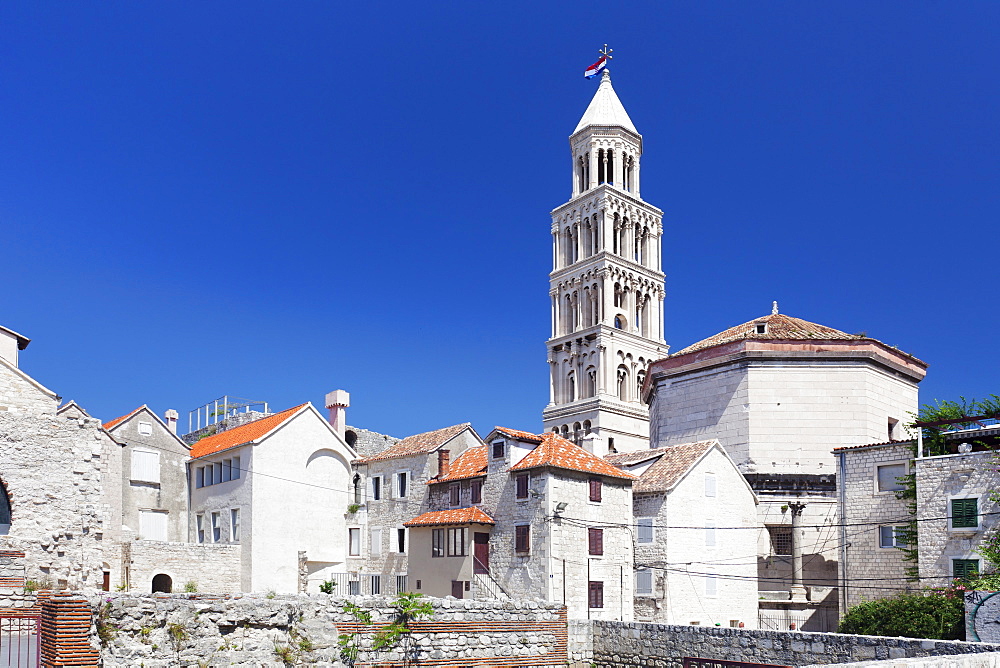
[(775, 326), (606, 108)]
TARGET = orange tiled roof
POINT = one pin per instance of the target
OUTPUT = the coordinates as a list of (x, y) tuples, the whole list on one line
[(779, 327), (557, 452), (114, 423), (251, 431), (522, 435), (419, 444), (469, 464), (457, 516), (672, 462)]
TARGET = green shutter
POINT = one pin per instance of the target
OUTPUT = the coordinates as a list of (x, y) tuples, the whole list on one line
[(965, 568), (964, 513)]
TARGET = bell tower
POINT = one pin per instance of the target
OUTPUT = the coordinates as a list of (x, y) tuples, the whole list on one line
[(607, 287)]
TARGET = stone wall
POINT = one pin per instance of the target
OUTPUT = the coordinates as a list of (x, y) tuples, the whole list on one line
[(368, 443), (984, 660), (170, 630), (211, 567), (615, 644)]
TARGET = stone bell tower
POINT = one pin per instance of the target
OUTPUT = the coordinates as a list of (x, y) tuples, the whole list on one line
[(607, 287)]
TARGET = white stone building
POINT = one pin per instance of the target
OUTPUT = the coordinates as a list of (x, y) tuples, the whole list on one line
[(780, 393), (955, 509), (279, 487), (606, 285), (695, 536), (528, 516)]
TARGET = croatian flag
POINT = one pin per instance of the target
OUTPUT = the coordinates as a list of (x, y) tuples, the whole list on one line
[(596, 68)]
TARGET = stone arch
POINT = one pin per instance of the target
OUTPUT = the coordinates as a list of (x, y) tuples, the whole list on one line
[(622, 383), (351, 437), (162, 583)]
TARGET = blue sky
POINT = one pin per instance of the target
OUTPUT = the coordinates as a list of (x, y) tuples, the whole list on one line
[(274, 200)]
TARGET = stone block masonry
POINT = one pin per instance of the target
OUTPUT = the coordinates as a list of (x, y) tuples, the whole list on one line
[(169, 630)]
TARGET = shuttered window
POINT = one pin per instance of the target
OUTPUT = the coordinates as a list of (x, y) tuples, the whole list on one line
[(887, 477), (376, 542), (522, 485), (595, 597), (354, 542), (645, 532), (964, 513), (522, 538), (153, 525), (477, 491), (709, 484), (643, 581), (595, 489), (455, 494), (709, 534), (595, 541), (145, 466), (965, 568)]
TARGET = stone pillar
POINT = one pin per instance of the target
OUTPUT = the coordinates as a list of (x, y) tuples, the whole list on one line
[(65, 632), (592, 176), (635, 177), (798, 591)]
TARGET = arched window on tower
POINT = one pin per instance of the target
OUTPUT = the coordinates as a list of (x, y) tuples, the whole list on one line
[(565, 431), (571, 387), (622, 388), (588, 238), (580, 181), (640, 378), (623, 238), (610, 174), (618, 295), (590, 383), (600, 166), (614, 235), (4, 510), (636, 242), (619, 322), (586, 171), (586, 427), (577, 432)]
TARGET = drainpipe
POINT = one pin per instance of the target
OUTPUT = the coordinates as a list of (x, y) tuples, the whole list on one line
[(798, 592), (842, 516)]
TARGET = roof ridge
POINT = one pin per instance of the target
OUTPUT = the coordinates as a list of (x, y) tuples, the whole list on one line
[(231, 438)]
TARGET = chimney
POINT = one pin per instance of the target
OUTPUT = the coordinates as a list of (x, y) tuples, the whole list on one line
[(444, 462), (337, 401), (171, 419)]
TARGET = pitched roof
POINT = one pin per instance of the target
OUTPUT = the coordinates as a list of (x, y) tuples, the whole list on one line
[(457, 516), (419, 444), (670, 466), (247, 433), (873, 445), (518, 434), (470, 464), (108, 426), (606, 108), (22, 341), (557, 452), (778, 327)]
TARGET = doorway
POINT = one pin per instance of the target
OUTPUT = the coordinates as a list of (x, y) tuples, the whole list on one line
[(481, 553), (162, 584), (458, 588)]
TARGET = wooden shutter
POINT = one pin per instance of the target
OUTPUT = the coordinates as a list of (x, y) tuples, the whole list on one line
[(964, 513), (477, 491), (152, 525), (522, 485), (596, 595), (522, 538), (595, 489), (596, 541), (965, 568), (145, 466)]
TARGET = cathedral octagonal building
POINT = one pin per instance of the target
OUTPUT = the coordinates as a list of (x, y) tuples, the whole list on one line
[(780, 393)]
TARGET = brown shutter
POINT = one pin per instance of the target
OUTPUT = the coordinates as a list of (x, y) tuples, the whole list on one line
[(595, 541), (595, 489)]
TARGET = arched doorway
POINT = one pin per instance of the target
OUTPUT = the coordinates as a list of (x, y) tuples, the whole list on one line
[(162, 583), (4, 510)]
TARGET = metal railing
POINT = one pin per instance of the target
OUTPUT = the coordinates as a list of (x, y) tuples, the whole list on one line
[(19, 642), (486, 583), (368, 584)]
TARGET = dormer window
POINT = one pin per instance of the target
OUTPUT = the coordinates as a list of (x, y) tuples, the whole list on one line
[(498, 449), (762, 328)]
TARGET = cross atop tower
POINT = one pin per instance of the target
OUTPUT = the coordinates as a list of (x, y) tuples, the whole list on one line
[(606, 52)]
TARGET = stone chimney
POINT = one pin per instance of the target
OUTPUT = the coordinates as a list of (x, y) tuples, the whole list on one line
[(337, 403), (444, 462), (10, 343), (170, 417)]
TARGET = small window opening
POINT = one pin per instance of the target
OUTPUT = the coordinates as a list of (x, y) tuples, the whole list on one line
[(762, 328)]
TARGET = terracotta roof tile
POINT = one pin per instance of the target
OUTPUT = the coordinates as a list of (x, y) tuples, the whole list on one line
[(522, 435), (872, 445), (778, 327), (672, 462), (246, 433), (457, 516), (557, 452), (108, 426), (419, 444), (470, 464)]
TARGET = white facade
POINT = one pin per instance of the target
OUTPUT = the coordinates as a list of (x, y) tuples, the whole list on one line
[(607, 287)]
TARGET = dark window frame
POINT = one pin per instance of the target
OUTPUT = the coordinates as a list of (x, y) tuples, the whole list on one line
[(522, 483), (595, 594), (476, 490), (522, 538), (437, 543), (596, 485), (965, 513), (595, 541), (458, 540)]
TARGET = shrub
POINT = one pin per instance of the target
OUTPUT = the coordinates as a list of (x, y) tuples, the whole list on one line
[(937, 615)]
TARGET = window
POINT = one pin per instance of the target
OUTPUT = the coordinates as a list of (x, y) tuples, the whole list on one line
[(354, 542), (454, 494), (376, 581), (199, 476), (153, 524), (199, 521), (522, 538), (216, 527), (709, 534), (645, 530), (208, 475), (781, 540), (400, 584), (711, 585), (401, 484), (236, 468), (401, 541), (710, 484), (437, 543), (357, 488), (595, 489), (145, 466), (643, 581), (761, 328), (456, 542), (964, 513), (498, 450), (376, 542), (891, 536), (595, 541), (477, 491), (886, 477), (376, 488), (964, 568), (145, 428), (234, 525), (217, 472), (227, 470), (595, 597), (521, 482), (354, 587)]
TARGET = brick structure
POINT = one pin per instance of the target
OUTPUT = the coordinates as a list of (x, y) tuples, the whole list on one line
[(65, 632)]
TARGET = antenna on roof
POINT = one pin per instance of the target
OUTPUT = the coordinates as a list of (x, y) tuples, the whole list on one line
[(774, 308)]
